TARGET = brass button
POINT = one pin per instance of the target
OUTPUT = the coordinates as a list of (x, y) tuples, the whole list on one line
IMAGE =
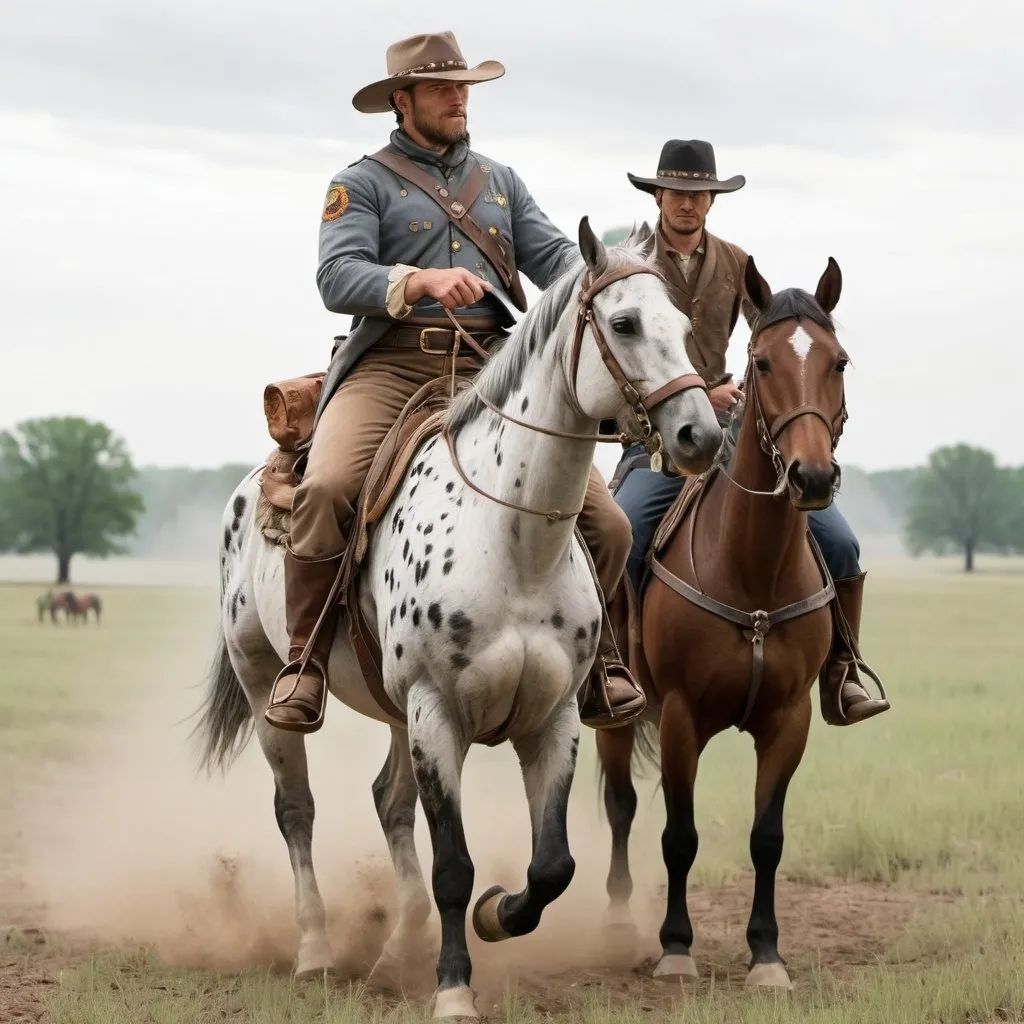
[(456, 245), (444, 193), (404, 192), (414, 225), (492, 230), (427, 225)]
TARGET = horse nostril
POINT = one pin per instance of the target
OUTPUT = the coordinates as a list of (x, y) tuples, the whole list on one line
[(795, 476), (685, 438)]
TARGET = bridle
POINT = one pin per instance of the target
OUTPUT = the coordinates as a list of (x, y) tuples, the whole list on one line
[(769, 434), (641, 406)]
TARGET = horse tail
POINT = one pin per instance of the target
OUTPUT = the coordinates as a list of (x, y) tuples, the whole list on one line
[(225, 724), (646, 748)]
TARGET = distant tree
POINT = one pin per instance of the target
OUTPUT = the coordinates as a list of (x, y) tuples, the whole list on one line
[(66, 486), (961, 498), (615, 235)]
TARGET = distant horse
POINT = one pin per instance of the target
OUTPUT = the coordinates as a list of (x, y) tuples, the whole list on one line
[(490, 640), (44, 606), (747, 656), (66, 602), (84, 603)]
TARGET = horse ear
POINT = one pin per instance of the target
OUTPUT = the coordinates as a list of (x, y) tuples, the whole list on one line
[(595, 255), (757, 287), (647, 240), (830, 286)]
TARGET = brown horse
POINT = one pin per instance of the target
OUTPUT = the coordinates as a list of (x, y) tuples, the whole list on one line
[(88, 602), (66, 602), (748, 655)]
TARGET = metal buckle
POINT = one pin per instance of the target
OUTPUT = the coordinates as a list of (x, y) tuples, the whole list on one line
[(435, 351)]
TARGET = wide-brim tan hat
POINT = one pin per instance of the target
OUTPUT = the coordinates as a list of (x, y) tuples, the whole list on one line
[(424, 58)]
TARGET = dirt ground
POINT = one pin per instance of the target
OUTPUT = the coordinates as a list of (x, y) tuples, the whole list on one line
[(836, 929)]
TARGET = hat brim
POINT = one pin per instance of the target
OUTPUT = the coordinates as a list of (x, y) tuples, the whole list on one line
[(374, 98), (651, 185)]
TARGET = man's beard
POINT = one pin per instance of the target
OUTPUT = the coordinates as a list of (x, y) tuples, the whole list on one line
[(685, 230), (437, 131)]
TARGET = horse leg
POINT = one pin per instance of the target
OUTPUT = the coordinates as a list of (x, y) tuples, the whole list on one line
[(438, 752), (548, 760), (679, 754), (614, 750), (780, 746), (394, 794), (293, 806)]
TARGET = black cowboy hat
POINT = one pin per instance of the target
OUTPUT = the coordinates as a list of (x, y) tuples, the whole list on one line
[(687, 165)]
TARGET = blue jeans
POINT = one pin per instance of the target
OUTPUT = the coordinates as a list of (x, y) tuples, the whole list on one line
[(645, 497)]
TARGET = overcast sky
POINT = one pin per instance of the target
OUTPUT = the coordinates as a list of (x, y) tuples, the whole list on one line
[(163, 168)]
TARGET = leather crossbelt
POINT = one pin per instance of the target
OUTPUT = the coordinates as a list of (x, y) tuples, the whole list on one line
[(456, 208)]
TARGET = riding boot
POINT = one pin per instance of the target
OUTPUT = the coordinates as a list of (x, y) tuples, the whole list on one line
[(611, 696), (844, 700), (299, 697)]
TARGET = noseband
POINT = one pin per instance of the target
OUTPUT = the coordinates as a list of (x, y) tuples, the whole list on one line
[(641, 406)]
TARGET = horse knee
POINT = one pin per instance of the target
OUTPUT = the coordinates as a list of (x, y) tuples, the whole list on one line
[(550, 877), (766, 842)]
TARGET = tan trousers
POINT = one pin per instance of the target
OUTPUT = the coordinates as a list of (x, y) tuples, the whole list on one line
[(354, 425)]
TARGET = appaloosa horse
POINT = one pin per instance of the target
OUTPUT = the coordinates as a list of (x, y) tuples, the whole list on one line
[(482, 599), (735, 623)]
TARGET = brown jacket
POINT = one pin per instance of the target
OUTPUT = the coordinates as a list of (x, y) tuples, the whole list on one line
[(712, 300)]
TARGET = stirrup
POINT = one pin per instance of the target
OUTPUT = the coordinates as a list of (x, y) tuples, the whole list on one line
[(296, 669), (832, 709)]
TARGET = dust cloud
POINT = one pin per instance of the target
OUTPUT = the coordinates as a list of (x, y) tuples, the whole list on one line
[(128, 843)]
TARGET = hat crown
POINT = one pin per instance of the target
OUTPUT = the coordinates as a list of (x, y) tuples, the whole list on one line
[(689, 156), (431, 51)]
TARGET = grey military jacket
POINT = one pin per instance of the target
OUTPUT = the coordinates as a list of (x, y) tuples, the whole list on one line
[(374, 220)]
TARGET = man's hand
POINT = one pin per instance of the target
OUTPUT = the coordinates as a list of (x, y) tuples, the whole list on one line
[(452, 288), (724, 397)]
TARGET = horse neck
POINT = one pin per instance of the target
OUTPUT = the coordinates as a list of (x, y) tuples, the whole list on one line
[(530, 469), (760, 538)]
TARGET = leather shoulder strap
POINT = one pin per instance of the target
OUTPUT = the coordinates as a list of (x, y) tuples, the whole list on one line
[(457, 210)]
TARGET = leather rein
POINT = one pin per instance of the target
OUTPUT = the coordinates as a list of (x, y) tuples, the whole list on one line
[(641, 406), (756, 624)]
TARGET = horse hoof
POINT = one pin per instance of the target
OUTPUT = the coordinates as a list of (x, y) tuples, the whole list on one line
[(389, 972), (621, 936), (314, 958), (485, 915), (676, 967), (455, 1002), (768, 976)]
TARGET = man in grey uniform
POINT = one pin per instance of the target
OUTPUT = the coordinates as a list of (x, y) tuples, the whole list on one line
[(422, 226)]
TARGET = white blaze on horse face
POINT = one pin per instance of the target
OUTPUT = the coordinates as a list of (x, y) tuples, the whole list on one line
[(801, 342)]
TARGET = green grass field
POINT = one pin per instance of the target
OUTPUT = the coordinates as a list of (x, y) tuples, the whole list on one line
[(904, 834)]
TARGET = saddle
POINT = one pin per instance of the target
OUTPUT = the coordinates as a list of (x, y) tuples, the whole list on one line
[(290, 407)]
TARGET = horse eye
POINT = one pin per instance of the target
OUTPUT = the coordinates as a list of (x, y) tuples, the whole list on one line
[(762, 364), (841, 365), (624, 325)]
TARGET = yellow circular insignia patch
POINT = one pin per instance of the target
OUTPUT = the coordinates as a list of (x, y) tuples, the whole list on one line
[(337, 202)]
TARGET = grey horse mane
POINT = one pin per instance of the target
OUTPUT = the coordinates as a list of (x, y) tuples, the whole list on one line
[(503, 374)]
